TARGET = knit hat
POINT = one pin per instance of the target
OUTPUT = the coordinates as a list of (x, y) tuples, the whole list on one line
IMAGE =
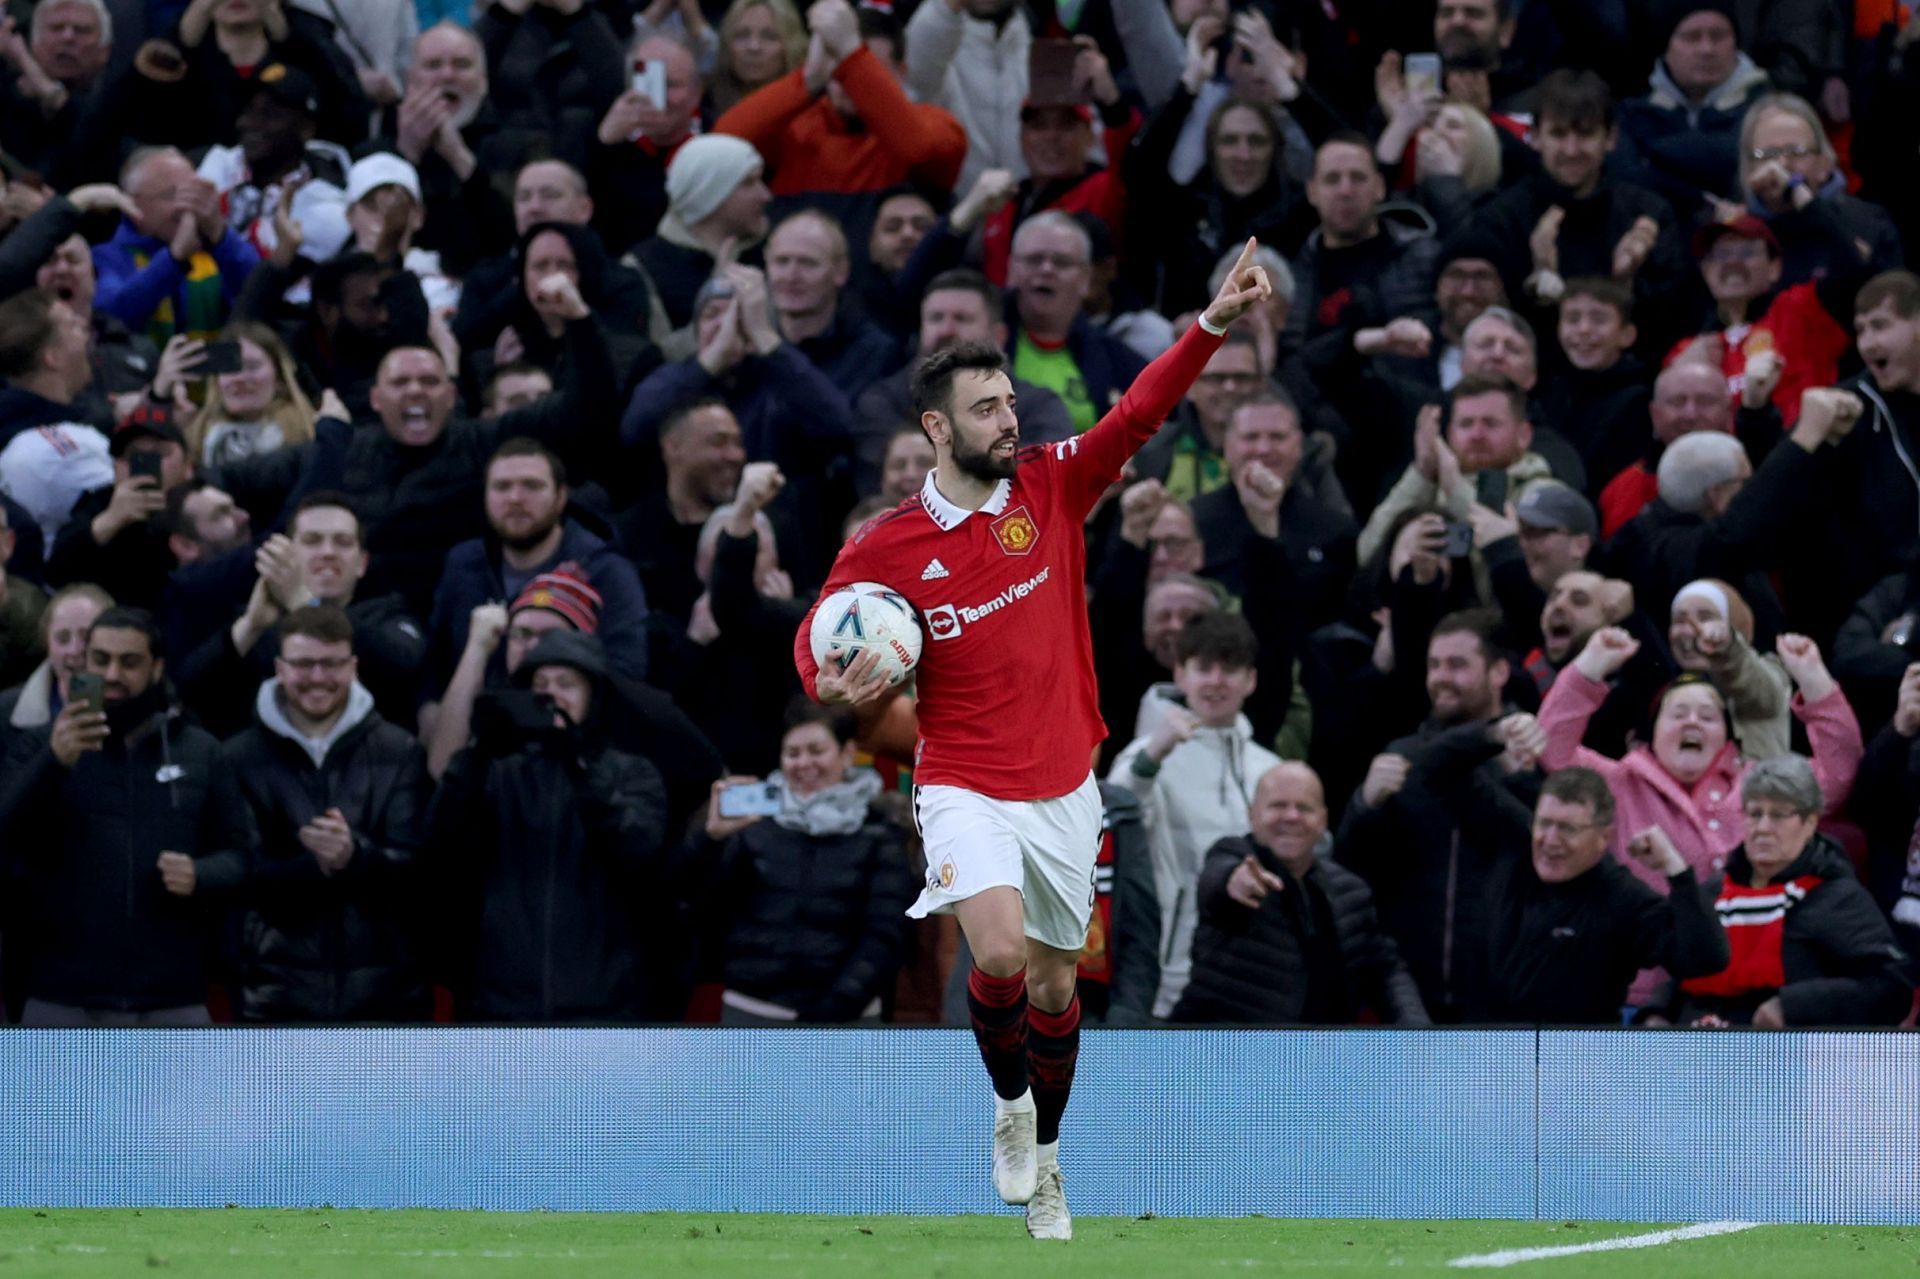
[(148, 421), (705, 171), (1669, 15), (381, 169), (564, 648), (1726, 601), (567, 591)]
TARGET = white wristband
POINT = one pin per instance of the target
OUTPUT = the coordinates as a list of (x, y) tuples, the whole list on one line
[(1206, 327)]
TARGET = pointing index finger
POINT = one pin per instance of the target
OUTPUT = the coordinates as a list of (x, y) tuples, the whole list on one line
[(1246, 257)]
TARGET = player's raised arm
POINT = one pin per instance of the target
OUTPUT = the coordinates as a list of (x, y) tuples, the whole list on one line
[(1099, 454)]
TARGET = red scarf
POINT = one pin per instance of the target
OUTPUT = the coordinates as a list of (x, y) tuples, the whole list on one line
[(1756, 923)]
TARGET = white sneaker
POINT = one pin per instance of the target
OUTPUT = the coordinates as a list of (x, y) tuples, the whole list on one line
[(1014, 1162), (1047, 1215)]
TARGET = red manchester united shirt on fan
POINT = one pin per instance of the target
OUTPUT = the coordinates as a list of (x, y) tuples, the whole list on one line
[(1008, 705)]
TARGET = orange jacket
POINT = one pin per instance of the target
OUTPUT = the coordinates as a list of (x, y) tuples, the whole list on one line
[(808, 146)]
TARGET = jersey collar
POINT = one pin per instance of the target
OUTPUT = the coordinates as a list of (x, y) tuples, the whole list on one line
[(947, 515)]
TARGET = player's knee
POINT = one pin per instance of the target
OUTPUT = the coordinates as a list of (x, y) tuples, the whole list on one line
[(1049, 988), (1000, 956)]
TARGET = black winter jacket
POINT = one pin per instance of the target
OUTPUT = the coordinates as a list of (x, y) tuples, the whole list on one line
[(87, 838), (546, 859), (342, 947), (815, 923), (1842, 965), (1250, 966)]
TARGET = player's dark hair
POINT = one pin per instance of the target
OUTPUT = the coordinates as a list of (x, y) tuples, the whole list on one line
[(837, 720), (932, 384), (1221, 638), (1481, 623), (1578, 99), (1610, 293), (327, 623), (1581, 786), (123, 617), (527, 446)]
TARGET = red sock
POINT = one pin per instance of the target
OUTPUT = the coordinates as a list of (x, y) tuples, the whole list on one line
[(998, 1006)]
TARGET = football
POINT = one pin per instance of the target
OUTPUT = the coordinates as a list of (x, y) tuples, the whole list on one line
[(863, 616)]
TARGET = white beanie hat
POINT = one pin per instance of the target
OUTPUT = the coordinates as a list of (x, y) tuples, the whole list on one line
[(381, 169), (705, 171)]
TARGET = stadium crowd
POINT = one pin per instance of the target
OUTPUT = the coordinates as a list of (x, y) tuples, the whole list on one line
[(423, 430)]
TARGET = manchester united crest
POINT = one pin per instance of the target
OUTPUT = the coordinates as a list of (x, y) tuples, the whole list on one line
[(1015, 531)]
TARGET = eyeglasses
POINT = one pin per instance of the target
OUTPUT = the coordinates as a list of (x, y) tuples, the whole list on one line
[(315, 664), (1548, 826), (1798, 151), (1228, 379), (1173, 543), (1058, 261), (1771, 816)]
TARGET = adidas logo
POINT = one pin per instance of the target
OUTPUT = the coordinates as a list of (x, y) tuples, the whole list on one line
[(935, 571)]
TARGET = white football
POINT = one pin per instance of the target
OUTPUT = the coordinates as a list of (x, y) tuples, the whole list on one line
[(863, 616)]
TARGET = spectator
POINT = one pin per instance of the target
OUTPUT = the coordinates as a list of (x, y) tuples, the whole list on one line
[(321, 560), (1188, 453), (228, 48), (555, 69), (1710, 632), (340, 797), (1683, 135), (1272, 495), (1886, 801), (1684, 774), (174, 266), (1052, 343), (1486, 457), (1402, 833), (1688, 396), (56, 83), (532, 531), (1809, 947), (1355, 261), (904, 469), (277, 155), (760, 41), (514, 386), (257, 408), (1878, 641), (959, 306), (64, 623), (971, 58), (701, 452), (120, 531), (807, 273), (1568, 926), (1784, 150), (22, 606), (376, 38), (1287, 935), (789, 410), (889, 294), (361, 309), (131, 833), (560, 841), (843, 122), (1465, 288), (627, 162), (385, 213), (809, 906), (409, 528), (1571, 218), (1597, 393), (716, 197), (1193, 766), (1551, 533), (47, 458), (1718, 516)]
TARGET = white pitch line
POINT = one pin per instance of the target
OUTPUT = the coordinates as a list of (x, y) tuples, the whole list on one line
[(1514, 1256)]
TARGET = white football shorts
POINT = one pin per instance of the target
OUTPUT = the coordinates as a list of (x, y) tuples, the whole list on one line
[(1045, 848)]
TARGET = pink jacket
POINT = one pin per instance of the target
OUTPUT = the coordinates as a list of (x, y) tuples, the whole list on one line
[(1705, 821)]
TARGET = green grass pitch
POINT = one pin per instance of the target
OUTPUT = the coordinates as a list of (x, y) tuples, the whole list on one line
[(329, 1242)]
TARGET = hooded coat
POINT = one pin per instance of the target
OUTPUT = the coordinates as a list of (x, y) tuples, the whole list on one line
[(319, 947), (550, 854), (1196, 797)]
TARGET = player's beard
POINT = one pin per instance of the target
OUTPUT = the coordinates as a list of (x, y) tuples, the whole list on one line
[(984, 464)]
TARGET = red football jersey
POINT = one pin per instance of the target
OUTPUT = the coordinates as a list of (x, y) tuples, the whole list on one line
[(1007, 701)]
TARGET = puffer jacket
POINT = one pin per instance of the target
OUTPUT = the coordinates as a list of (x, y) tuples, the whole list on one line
[(1837, 951), (1197, 797), (553, 73), (549, 857), (341, 947), (1682, 150), (1400, 282), (108, 933), (814, 922), (1250, 965)]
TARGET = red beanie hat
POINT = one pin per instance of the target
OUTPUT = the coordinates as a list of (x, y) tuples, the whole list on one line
[(566, 591)]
